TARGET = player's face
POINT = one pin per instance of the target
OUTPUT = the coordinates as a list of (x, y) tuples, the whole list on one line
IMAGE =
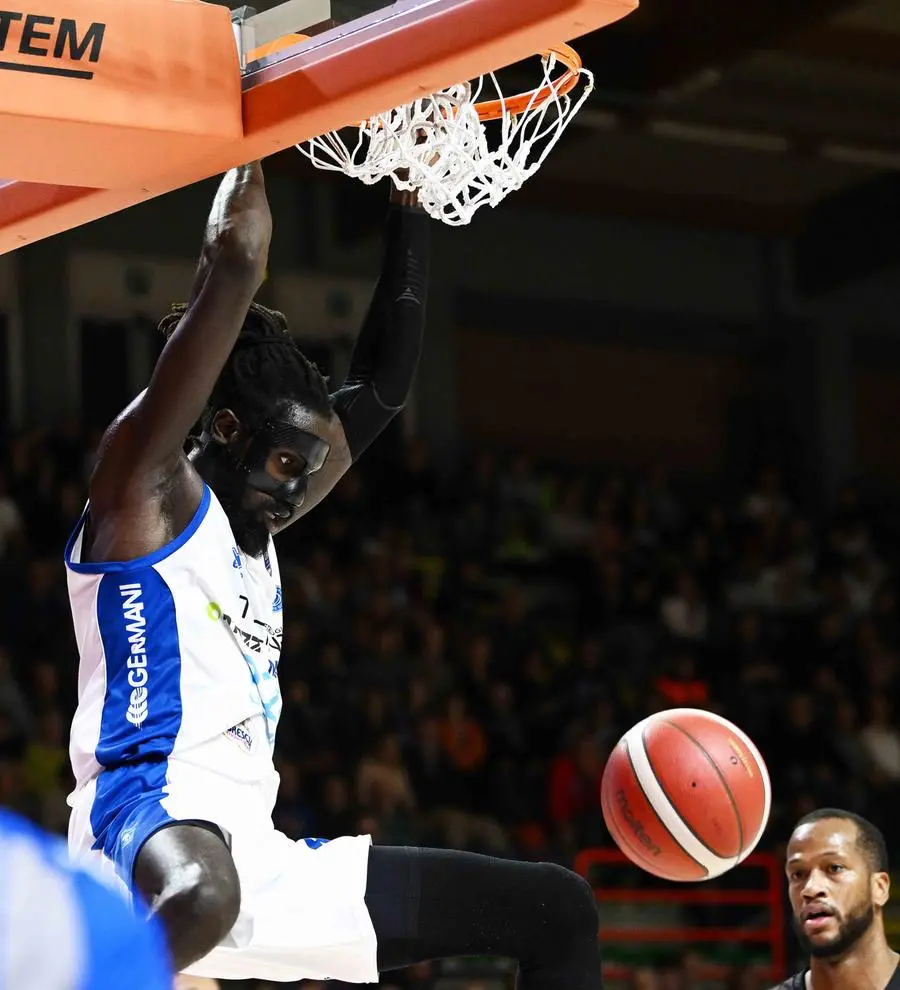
[(832, 890), (296, 453), (283, 465), (261, 478)]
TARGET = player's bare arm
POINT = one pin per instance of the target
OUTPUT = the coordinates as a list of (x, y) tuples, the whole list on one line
[(143, 490)]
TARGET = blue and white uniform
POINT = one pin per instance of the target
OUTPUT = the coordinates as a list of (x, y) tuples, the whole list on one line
[(62, 929), (178, 703)]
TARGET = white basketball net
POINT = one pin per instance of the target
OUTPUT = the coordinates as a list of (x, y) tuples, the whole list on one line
[(440, 147)]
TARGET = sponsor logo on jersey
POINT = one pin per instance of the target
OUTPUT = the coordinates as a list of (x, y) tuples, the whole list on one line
[(242, 736), (261, 638), (278, 604), (236, 562), (136, 627)]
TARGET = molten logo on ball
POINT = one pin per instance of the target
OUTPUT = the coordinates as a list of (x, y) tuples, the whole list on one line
[(636, 826), (743, 759)]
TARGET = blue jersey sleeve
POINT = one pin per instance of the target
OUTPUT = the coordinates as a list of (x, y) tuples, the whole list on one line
[(122, 949), (62, 929)]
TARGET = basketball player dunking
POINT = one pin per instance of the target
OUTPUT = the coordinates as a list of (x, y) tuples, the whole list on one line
[(838, 884), (176, 603)]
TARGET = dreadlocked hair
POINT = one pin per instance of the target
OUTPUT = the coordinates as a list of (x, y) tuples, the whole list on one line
[(266, 368)]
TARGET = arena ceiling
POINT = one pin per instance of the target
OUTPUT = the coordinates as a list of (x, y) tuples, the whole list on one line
[(736, 113)]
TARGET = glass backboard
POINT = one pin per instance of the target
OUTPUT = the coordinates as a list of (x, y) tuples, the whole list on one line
[(262, 24)]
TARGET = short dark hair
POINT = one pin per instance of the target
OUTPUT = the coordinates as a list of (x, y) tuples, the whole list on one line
[(265, 369), (869, 838)]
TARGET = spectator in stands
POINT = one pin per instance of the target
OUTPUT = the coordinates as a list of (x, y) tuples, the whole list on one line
[(881, 740), (11, 526), (767, 500), (685, 613), (574, 796), (681, 686)]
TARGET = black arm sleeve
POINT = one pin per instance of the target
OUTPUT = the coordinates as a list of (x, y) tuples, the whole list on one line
[(387, 350)]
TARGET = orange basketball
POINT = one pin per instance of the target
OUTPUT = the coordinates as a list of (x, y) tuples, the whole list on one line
[(686, 795)]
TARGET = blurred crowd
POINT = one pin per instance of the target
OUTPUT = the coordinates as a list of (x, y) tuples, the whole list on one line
[(461, 651)]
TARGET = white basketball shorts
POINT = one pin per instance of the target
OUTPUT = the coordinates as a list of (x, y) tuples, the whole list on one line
[(303, 912)]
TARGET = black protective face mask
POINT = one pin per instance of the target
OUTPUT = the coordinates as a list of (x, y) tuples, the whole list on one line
[(231, 475), (276, 434), (225, 475)]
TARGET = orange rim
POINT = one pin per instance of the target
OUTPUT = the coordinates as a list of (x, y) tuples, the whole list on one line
[(489, 109), (535, 98)]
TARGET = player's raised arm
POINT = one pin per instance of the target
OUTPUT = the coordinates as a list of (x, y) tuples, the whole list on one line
[(387, 350), (142, 449)]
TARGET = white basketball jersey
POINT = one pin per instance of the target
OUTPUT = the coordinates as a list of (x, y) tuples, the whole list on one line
[(175, 648)]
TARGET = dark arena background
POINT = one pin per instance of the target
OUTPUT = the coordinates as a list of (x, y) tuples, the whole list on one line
[(651, 460)]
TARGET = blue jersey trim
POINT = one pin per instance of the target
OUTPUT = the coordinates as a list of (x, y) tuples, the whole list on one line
[(112, 566), (142, 711)]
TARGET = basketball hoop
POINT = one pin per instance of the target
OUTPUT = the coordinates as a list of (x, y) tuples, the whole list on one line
[(467, 146)]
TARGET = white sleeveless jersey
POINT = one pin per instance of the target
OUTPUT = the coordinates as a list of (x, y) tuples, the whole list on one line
[(176, 648)]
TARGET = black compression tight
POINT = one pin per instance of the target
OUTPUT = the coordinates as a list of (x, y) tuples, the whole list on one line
[(437, 904)]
